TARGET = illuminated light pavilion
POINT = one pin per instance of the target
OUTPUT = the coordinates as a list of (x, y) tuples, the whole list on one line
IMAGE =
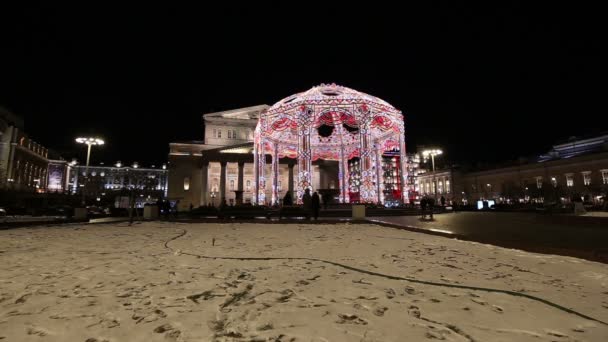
[(331, 122)]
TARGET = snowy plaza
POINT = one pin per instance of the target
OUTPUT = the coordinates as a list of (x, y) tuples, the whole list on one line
[(160, 281)]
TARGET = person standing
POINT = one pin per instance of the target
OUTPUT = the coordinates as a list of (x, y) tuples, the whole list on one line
[(431, 204), (287, 200), (307, 202), (316, 205), (423, 203)]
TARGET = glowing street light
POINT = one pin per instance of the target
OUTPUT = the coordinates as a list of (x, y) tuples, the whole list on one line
[(432, 153), (89, 142)]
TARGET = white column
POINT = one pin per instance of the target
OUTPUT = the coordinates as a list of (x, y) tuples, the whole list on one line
[(222, 182), (204, 183)]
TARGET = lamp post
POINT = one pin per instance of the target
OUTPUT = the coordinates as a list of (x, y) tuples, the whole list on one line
[(213, 194), (432, 153), (89, 142)]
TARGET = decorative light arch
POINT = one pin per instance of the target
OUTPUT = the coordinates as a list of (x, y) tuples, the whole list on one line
[(360, 126)]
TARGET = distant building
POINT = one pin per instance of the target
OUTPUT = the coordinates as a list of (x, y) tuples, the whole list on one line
[(23, 162), (228, 150), (576, 167), (108, 180)]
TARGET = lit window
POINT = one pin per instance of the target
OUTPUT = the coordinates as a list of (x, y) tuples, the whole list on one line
[(569, 180), (103, 174), (433, 185), (605, 176), (186, 183), (554, 181), (447, 186), (587, 178), (232, 180), (539, 182), (248, 186), (440, 187)]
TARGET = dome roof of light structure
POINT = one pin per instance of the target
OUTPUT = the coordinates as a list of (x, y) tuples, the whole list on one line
[(331, 122), (333, 116)]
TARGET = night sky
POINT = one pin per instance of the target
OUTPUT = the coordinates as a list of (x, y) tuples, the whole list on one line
[(484, 83)]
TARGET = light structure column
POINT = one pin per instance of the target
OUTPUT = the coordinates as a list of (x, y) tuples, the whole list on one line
[(259, 161), (204, 183), (275, 173), (403, 165), (304, 153), (367, 193), (222, 182), (343, 176), (379, 176)]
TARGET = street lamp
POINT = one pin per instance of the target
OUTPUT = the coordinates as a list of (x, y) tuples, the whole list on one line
[(213, 194), (89, 142), (432, 153)]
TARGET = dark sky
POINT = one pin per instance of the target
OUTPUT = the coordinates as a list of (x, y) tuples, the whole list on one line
[(485, 83)]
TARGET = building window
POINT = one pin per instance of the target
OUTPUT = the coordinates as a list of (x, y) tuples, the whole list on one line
[(279, 188), (569, 181), (219, 133), (554, 181), (587, 178), (605, 176), (433, 185), (231, 182), (233, 134), (248, 186), (539, 182), (215, 133), (447, 186), (440, 187), (229, 134), (186, 183)]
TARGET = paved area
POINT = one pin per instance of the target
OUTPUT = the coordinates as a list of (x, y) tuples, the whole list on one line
[(578, 236)]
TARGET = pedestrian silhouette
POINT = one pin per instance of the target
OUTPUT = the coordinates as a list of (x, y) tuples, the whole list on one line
[(316, 205)]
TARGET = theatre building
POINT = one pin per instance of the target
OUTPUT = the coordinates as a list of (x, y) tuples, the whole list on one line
[(328, 138)]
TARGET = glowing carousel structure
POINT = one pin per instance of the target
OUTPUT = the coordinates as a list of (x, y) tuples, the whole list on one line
[(363, 133)]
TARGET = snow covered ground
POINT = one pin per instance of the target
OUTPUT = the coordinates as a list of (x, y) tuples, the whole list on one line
[(152, 282)]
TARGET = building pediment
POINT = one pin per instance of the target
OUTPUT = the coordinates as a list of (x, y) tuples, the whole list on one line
[(239, 115)]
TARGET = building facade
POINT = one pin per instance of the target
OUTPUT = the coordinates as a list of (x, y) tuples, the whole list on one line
[(579, 167), (108, 180), (23, 161)]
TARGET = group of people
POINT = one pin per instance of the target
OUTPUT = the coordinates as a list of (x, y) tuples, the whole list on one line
[(426, 207), (311, 203), (165, 209)]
